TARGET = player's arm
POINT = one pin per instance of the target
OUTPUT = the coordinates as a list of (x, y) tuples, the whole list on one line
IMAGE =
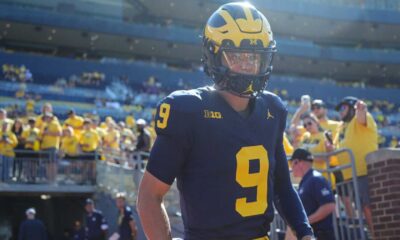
[(151, 209), (166, 161), (286, 198)]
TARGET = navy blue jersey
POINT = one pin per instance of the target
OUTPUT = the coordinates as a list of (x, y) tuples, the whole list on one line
[(124, 229), (315, 191), (96, 224), (228, 167)]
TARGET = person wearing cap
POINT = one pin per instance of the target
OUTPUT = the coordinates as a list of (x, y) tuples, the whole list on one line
[(315, 194), (126, 224), (96, 224), (358, 132), (144, 138), (75, 121), (51, 138), (31, 228), (318, 108)]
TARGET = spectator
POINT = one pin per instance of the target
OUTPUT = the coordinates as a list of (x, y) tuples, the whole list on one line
[(18, 129), (394, 142), (112, 138), (4, 119), (126, 224), (75, 121), (144, 137), (69, 143), (127, 142), (29, 105), (358, 132), (78, 232), (89, 142), (69, 150), (8, 141), (315, 194), (32, 144), (46, 108), (130, 121), (96, 224), (31, 228), (319, 109), (28, 76), (315, 141), (50, 136)]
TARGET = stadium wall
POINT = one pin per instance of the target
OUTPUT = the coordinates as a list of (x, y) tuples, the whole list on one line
[(384, 179)]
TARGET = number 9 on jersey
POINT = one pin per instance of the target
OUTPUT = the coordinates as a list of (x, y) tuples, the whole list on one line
[(164, 115)]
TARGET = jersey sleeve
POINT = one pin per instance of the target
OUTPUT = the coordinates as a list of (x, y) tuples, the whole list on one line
[(322, 192), (286, 198), (173, 126)]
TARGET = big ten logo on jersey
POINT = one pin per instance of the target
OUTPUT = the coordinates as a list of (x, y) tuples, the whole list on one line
[(212, 114)]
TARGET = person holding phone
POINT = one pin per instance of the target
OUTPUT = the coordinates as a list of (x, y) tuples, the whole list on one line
[(316, 141)]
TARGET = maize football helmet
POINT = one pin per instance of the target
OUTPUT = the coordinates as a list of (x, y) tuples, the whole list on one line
[(238, 49)]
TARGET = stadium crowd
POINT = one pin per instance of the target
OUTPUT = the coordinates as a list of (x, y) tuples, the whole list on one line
[(26, 140), (17, 73)]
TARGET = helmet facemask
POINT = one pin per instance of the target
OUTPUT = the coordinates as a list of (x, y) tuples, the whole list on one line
[(241, 71)]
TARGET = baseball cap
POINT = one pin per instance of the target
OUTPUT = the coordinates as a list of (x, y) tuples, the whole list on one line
[(30, 211), (141, 121), (319, 103), (302, 154), (70, 111), (351, 101), (89, 201)]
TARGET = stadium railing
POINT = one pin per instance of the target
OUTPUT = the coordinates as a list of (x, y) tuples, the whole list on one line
[(48, 167), (122, 173)]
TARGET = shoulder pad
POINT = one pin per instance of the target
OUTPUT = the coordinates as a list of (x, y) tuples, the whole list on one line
[(273, 99), (175, 112)]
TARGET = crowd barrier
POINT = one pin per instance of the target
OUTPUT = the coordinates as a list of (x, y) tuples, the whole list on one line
[(122, 173), (48, 167)]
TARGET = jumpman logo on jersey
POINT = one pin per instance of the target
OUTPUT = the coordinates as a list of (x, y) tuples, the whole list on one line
[(269, 115)]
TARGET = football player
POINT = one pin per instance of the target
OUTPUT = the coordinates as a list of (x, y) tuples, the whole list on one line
[(223, 144)]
